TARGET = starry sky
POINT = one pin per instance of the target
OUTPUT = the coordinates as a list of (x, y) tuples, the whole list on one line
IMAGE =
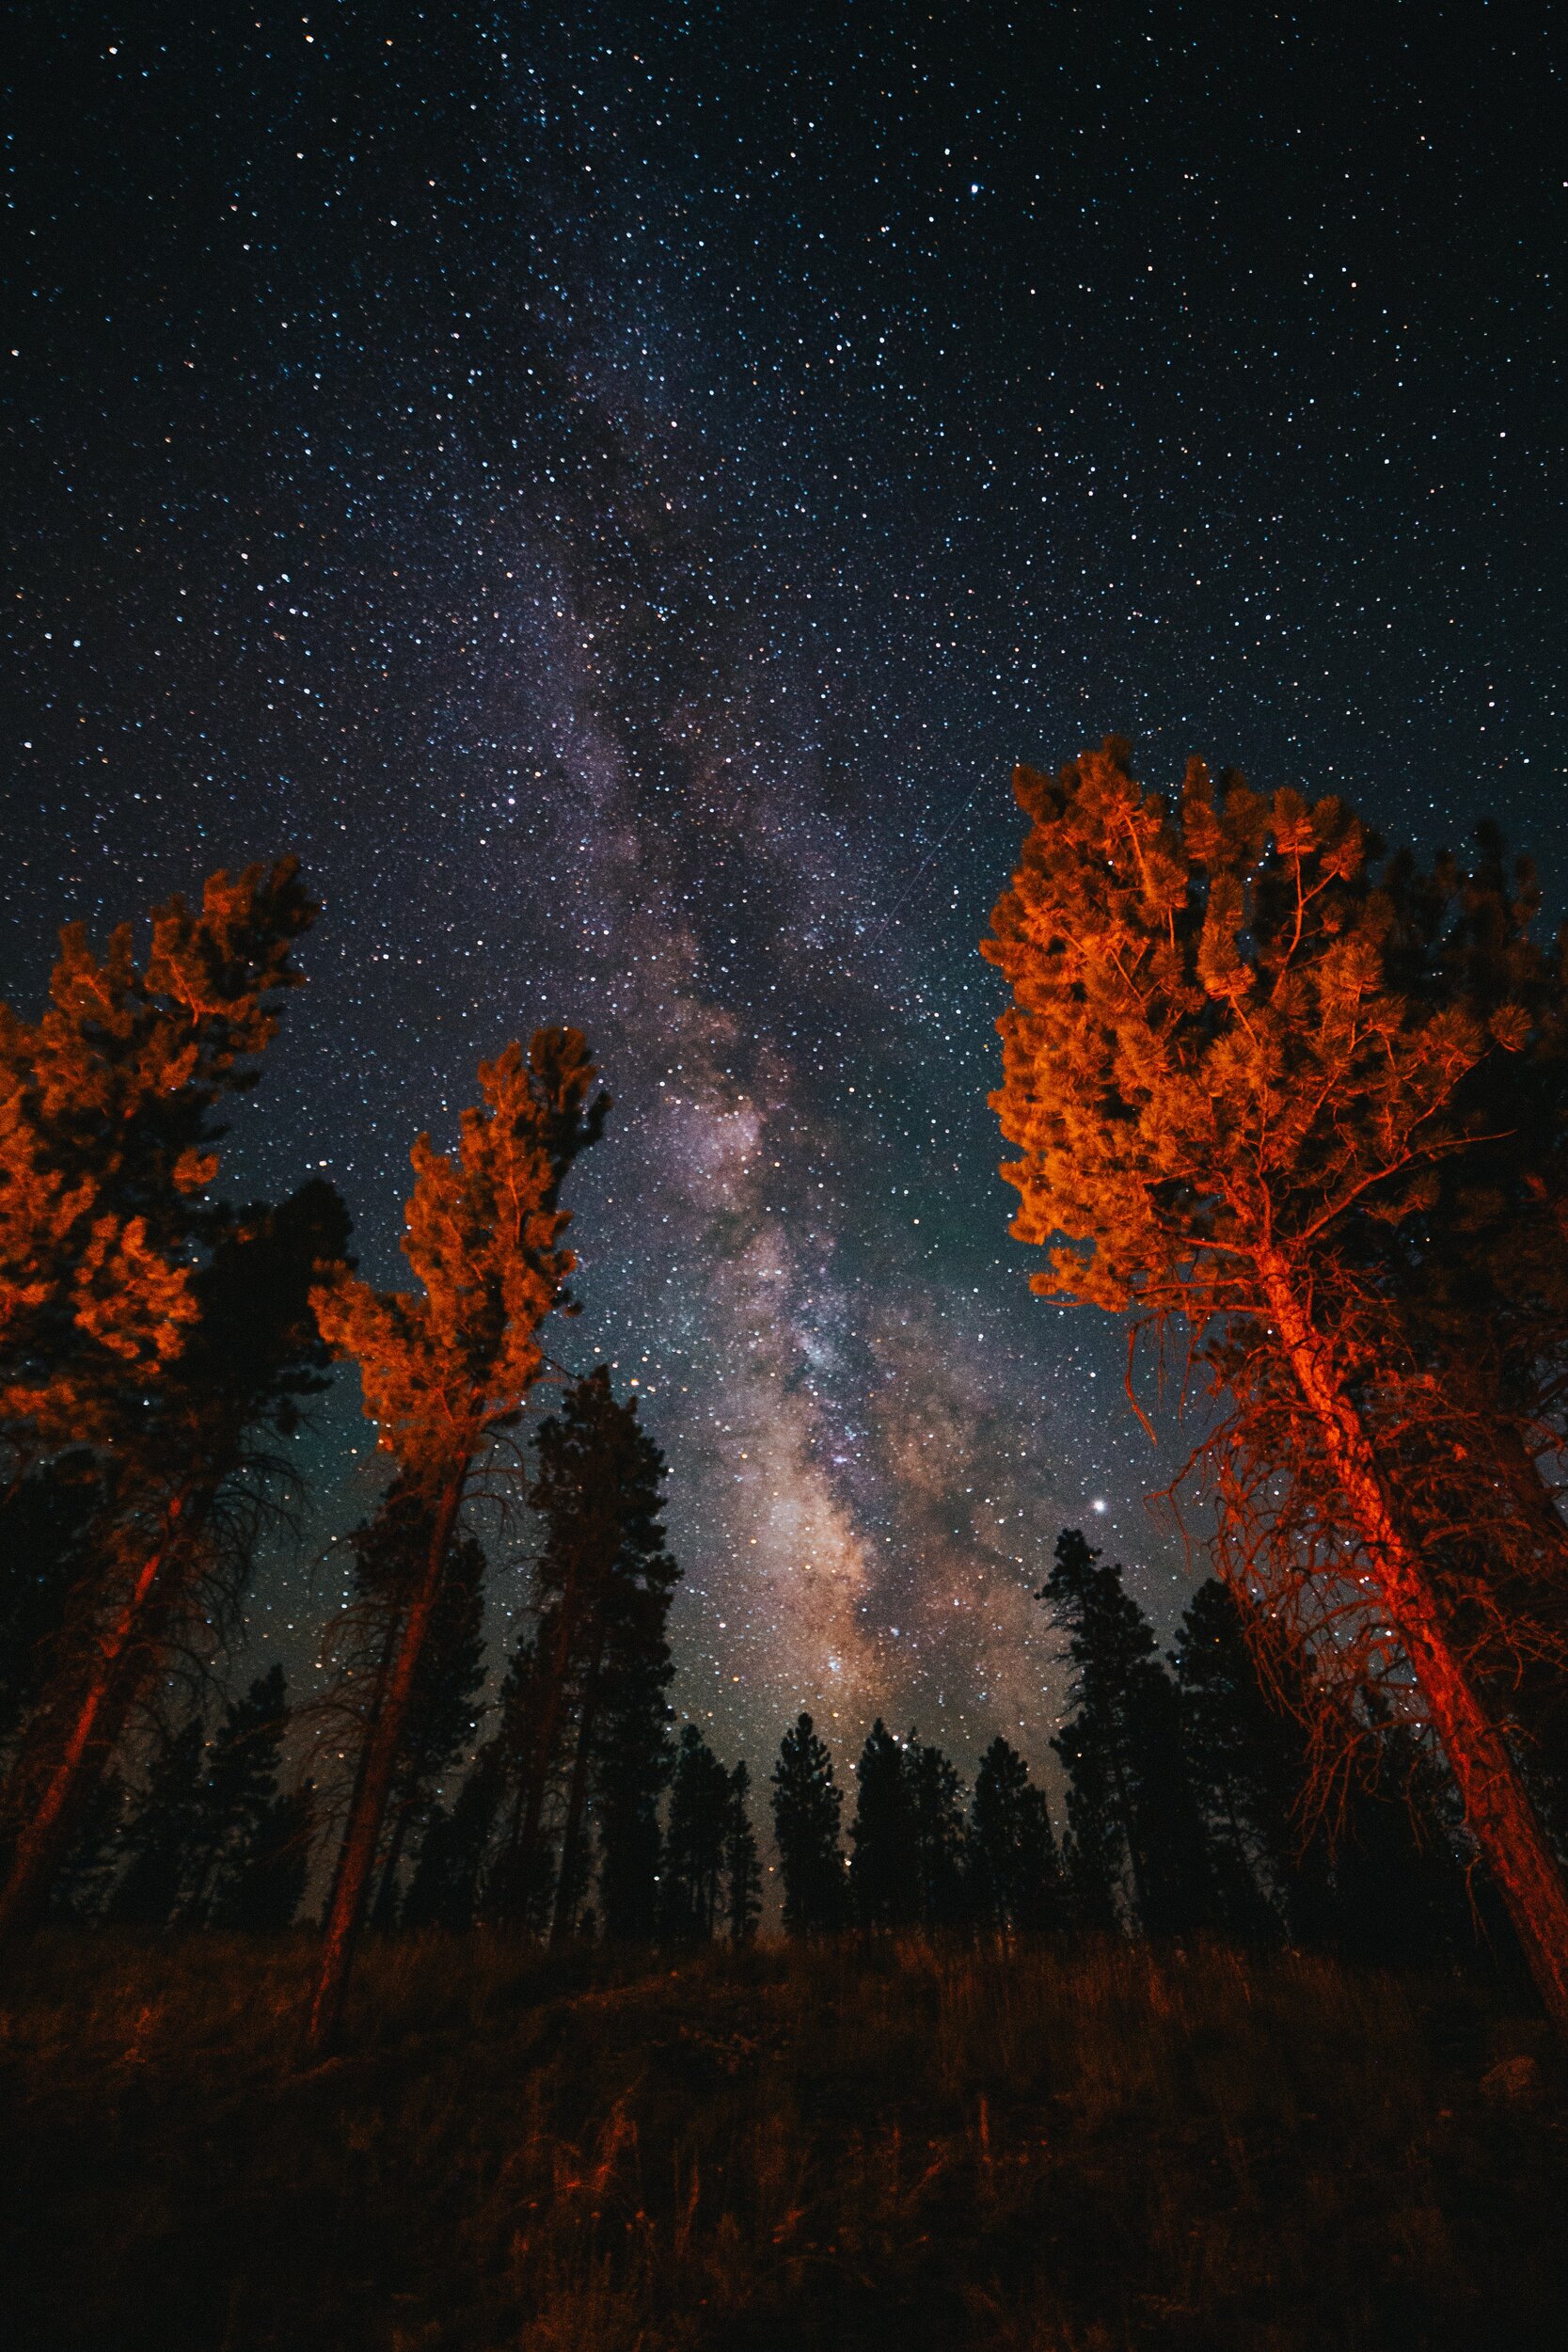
[(615, 489)]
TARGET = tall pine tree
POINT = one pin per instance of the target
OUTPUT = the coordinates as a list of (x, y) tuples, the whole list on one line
[(702, 1809), (807, 1806), (1017, 1883), (446, 1370), (119, 1278), (1235, 1057), (1133, 1826), (742, 1868)]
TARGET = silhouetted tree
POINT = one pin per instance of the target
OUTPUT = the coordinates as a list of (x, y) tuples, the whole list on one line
[(698, 1832), (1130, 1808), (941, 1836), (806, 1809), (209, 1813), (445, 1888), (743, 1868), (1018, 1880), (1249, 1767), (603, 1583), (262, 1893), (165, 1832), (631, 1769), (884, 1864)]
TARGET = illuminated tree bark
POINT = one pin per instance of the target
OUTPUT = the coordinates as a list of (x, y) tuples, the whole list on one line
[(1496, 1804), (374, 1782)]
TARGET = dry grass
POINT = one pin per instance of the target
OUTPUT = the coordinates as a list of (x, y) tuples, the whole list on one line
[(916, 2147)]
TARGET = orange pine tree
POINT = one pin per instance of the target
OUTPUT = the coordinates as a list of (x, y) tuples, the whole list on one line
[(106, 1132), (1228, 1066), (445, 1369)]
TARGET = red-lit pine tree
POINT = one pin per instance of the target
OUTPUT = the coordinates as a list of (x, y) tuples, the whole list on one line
[(137, 1329), (1234, 1058), (446, 1368)]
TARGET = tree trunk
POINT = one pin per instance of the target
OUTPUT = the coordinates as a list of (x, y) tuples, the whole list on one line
[(362, 1834), (1497, 1805), (372, 1715), (565, 1885), (100, 1714)]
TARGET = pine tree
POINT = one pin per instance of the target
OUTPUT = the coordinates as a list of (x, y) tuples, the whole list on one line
[(117, 1332), (1130, 1809), (446, 1370), (585, 1717), (884, 1866), (263, 1890), (186, 1502), (108, 1125), (445, 1888), (632, 1763), (702, 1810), (743, 1868), (208, 1809), (1233, 1057), (165, 1833), (807, 1806), (1246, 1759), (1017, 1872), (239, 1799), (940, 1836)]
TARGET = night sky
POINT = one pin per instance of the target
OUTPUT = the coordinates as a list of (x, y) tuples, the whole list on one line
[(615, 489)]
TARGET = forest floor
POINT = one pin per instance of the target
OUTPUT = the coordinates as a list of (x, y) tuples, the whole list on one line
[(913, 2147)]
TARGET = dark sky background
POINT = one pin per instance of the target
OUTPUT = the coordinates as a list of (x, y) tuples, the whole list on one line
[(615, 489)]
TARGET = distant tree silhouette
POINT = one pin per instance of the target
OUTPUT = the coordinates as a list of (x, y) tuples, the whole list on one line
[(698, 1832), (1017, 1873), (1248, 1761), (584, 1720), (941, 1836), (264, 1892), (884, 1864), (743, 1868), (1131, 1808), (632, 1763), (206, 1842), (445, 1888), (807, 1806), (165, 1833)]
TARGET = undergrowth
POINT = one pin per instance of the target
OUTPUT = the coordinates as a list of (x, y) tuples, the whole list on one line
[(916, 2146)]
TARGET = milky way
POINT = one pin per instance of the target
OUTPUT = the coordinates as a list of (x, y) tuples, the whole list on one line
[(616, 496)]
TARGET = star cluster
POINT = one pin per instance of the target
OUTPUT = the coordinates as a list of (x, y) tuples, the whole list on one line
[(615, 489)]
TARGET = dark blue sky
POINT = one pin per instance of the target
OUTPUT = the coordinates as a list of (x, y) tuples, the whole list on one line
[(615, 490)]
